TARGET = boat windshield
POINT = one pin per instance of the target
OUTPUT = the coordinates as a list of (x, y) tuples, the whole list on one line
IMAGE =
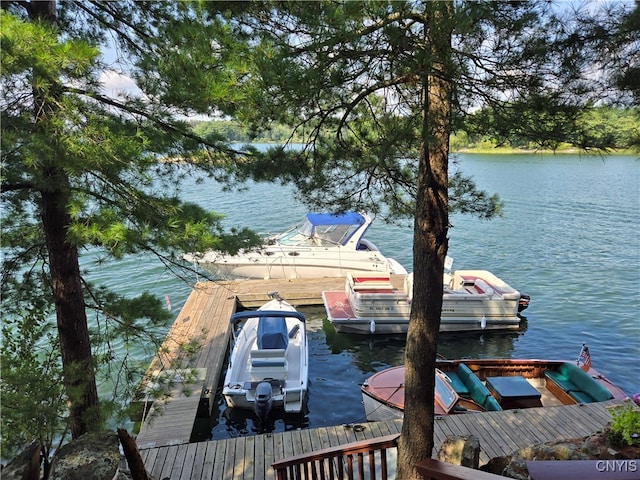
[(444, 392), (323, 230)]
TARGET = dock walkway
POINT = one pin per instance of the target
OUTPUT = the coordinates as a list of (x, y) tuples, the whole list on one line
[(204, 321), (250, 457), (203, 324)]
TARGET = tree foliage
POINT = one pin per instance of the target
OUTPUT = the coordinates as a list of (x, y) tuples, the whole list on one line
[(87, 172), (376, 88), (613, 127)]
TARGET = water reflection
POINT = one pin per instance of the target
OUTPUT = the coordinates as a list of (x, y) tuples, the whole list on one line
[(478, 344), (232, 422)]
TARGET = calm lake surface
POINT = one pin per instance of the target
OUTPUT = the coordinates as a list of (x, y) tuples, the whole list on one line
[(569, 238)]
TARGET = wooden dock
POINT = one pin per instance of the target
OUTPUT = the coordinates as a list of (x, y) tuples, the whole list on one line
[(204, 323), (250, 457)]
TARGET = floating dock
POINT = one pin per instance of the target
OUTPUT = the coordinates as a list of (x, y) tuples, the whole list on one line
[(204, 323)]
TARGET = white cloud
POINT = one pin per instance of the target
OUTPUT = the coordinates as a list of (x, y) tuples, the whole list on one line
[(116, 84)]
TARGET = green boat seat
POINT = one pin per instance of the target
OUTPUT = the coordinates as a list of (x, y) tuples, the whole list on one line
[(478, 392), (491, 405), (458, 384), (578, 384)]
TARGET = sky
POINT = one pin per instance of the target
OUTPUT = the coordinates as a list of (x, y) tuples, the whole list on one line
[(116, 81)]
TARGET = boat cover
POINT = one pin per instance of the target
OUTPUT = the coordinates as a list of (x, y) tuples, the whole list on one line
[(272, 333), (347, 218)]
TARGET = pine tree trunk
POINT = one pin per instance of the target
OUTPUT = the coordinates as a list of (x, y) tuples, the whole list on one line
[(73, 331), (132, 454), (64, 266), (430, 245)]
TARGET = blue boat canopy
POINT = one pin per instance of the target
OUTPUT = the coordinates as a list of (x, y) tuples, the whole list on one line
[(272, 333), (347, 218), (326, 229)]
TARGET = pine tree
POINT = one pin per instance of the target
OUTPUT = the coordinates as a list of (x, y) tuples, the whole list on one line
[(374, 85), (85, 171)]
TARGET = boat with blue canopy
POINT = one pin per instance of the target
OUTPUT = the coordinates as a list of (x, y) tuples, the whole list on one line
[(322, 245)]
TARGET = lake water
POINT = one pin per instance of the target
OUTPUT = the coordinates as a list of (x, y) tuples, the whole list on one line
[(569, 238)]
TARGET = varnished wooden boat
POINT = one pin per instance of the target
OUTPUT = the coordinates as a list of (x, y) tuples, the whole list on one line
[(467, 386)]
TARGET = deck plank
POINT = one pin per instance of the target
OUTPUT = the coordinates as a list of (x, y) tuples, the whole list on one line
[(218, 455), (159, 462), (269, 455), (169, 461), (197, 458), (259, 457), (179, 463), (229, 459)]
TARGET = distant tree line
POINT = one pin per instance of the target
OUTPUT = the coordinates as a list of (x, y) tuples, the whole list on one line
[(619, 127), (232, 131), (605, 128)]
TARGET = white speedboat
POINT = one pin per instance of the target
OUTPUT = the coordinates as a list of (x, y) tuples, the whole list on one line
[(269, 362), (472, 300), (324, 245)]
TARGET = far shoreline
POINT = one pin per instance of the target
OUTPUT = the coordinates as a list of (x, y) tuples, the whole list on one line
[(562, 151), (500, 150)]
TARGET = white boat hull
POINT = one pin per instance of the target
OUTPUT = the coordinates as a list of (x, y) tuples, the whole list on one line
[(286, 369), (400, 326), (288, 399), (473, 300), (330, 263), (324, 245)]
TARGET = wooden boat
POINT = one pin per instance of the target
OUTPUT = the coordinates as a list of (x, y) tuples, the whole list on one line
[(472, 300), (323, 245), (269, 362), (464, 386)]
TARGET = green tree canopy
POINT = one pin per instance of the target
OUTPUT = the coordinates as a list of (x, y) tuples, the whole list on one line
[(377, 87), (82, 171)]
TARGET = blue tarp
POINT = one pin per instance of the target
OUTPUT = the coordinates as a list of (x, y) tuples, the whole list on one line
[(347, 218), (272, 333)]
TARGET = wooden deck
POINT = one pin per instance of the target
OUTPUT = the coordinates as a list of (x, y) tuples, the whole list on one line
[(250, 457), (164, 435)]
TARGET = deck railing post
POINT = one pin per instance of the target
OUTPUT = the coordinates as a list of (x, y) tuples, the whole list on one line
[(339, 462)]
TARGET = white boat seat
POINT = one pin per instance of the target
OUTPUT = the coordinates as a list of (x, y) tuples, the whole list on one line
[(375, 286), (268, 363), (483, 287)]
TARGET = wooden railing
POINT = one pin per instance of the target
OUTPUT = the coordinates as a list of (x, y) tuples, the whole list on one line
[(366, 460), (362, 460), (433, 469)]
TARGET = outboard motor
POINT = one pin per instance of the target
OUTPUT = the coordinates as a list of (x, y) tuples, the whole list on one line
[(523, 303), (264, 401)]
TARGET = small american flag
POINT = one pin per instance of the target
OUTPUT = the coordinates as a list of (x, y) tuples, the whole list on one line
[(584, 358)]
